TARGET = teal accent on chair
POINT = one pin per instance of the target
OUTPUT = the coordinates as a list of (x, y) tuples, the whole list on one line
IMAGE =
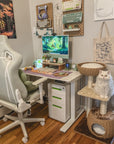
[(30, 87)]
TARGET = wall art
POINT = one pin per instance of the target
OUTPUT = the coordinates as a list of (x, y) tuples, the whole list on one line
[(103, 9), (7, 22)]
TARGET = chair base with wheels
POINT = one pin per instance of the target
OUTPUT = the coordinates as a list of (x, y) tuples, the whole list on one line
[(20, 119)]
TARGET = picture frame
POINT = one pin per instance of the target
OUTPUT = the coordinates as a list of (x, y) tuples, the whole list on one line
[(103, 9), (7, 22)]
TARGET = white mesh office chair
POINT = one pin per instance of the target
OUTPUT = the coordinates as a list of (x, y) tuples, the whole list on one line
[(13, 93)]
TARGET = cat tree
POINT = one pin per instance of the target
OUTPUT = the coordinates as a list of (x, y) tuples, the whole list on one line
[(91, 70)]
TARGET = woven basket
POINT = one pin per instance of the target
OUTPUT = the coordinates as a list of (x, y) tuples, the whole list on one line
[(108, 125), (90, 71)]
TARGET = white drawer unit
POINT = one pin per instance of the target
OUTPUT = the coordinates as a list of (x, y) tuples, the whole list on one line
[(59, 101)]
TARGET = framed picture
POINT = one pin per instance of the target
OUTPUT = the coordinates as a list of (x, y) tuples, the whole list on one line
[(103, 9), (7, 23)]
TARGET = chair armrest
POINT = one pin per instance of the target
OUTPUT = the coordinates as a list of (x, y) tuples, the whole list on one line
[(41, 80), (28, 83), (30, 87)]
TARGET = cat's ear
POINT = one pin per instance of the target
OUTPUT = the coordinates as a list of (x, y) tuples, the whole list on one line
[(100, 71), (109, 72)]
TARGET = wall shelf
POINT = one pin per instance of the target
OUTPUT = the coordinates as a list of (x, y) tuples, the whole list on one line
[(68, 30), (72, 10)]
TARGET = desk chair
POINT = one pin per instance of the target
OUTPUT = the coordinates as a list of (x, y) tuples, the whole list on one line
[(13, 93)]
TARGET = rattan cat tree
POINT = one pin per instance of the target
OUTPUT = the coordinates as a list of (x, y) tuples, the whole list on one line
[(88, 92)]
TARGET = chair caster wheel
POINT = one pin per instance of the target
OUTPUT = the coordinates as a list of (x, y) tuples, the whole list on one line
[(29, 112), (24, 139), (5, 119), (42, 123), (25, 114)]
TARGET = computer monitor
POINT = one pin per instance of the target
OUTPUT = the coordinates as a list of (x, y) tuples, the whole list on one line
[(56, 46)]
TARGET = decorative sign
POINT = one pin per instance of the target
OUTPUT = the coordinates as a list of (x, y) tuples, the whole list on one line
[(71, 5), (7, 23), (72, 17), (103, 9), (104, 52)]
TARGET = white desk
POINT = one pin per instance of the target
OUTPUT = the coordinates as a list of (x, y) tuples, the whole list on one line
[(71, 78)]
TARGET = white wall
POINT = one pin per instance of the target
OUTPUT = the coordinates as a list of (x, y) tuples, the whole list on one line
[(82, 46), (23, 42)]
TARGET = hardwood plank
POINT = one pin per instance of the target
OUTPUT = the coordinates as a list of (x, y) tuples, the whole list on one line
[(48, 134)]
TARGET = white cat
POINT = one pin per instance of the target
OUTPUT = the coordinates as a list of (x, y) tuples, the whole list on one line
[(104, 85)]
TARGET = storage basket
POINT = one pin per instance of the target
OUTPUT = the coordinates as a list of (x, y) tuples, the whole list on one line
[(107, 124)]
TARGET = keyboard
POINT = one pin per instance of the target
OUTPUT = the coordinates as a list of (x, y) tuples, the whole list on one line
[(47, 69)]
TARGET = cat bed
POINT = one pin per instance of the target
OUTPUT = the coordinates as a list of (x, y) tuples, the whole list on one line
[(101, 126), (90, 68)]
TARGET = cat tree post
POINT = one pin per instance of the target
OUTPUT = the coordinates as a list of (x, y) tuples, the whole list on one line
[(90, 81), (89, 100), (103, 107)]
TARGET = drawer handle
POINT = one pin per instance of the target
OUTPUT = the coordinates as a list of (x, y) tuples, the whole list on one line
[(57, 97), (57, 106), (56, 88)]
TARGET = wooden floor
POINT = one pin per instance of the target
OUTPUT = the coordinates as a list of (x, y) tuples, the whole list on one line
[(48, 134)]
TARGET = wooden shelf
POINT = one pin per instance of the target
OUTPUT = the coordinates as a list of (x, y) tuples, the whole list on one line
[(89, 92), (68, 30), (59, 65), (72, 10)]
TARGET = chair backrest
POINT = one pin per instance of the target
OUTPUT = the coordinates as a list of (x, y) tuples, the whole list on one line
[(10, 62)]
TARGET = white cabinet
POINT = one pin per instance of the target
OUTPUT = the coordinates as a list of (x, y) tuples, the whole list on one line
[(59, 101)]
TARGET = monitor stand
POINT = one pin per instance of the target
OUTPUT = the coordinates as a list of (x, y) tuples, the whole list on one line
[(60, 66)]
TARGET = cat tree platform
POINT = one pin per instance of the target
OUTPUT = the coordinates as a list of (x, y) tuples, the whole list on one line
[(89, 93)]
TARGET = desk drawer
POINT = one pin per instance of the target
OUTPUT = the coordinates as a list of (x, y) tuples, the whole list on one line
[(57, 112), (58, 100), (58, 94)]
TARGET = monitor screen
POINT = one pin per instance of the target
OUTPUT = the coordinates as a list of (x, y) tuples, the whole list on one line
[(56, 46)]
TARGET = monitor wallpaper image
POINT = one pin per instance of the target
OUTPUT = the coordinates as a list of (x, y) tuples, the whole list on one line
[(55, 44), (7, 23)]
